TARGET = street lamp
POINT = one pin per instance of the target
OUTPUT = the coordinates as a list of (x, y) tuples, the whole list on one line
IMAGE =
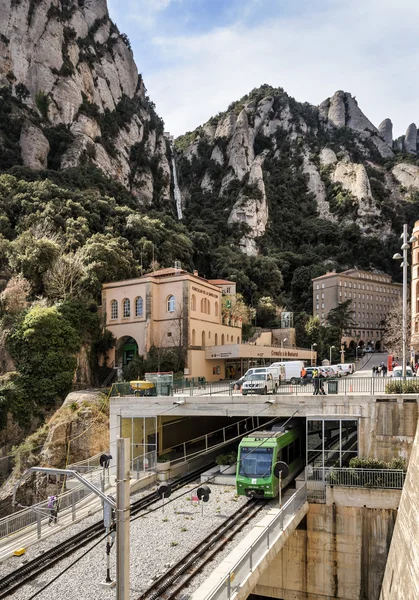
[(405, 247), (330, 354), (311, 356), (282, 346), (356, 353)]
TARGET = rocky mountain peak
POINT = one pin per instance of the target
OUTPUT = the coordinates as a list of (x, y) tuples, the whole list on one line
[(77, 90), (334, 152)]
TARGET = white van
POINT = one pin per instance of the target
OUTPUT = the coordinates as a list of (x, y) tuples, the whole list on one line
[(346, 368), (259, 383), (292, 370), (277, 372)]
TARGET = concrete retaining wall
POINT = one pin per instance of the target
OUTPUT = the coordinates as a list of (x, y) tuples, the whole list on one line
[(339, 553), (401, 580)]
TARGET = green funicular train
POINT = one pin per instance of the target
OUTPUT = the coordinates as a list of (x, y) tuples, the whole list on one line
[(258, 454)]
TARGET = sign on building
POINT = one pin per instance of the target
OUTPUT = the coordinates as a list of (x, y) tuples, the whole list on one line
[(287, 320)]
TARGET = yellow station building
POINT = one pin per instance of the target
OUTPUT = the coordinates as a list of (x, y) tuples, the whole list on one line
[(176, 309)]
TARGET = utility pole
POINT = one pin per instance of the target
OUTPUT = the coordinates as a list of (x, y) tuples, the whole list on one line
[(405, 248), (123, 475)]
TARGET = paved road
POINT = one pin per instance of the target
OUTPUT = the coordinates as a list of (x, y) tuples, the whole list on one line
[(369, 361)]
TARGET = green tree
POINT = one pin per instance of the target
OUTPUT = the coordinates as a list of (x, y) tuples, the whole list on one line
[(43, 345), (106, 258), (342, 319)]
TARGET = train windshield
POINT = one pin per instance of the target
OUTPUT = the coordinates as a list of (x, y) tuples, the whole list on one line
[(256, 462)]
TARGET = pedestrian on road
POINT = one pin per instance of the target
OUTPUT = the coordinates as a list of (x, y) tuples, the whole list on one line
[(316, 382), (384, 371)]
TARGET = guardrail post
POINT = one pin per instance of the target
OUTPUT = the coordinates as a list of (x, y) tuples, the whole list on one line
[(251, 559), (184, 450), (206, 441), (38, 525), (73, 506), (372, 386), (229, 586)]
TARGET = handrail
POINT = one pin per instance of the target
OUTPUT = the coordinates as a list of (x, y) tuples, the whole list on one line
[(242, 569)]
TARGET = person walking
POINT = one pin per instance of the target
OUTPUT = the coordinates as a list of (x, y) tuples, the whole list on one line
[(384, 371), (316, 382), (53, 506), (321, 384)]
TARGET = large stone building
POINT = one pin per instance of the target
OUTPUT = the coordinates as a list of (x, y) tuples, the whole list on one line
[(181, 310), (372, 296)]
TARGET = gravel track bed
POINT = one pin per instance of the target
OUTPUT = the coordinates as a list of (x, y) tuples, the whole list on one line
[(158, 539)]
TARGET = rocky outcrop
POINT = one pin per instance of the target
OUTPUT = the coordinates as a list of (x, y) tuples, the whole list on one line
[(410, 139), (68, 62), (385, 129), (327, 157), (83, 418), (34, 147), (317, 187), (354, 178), (252, 209), (407, 175)]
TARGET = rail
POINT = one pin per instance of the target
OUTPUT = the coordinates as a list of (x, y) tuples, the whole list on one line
[(318, 478), (243, 568), (71, 500)]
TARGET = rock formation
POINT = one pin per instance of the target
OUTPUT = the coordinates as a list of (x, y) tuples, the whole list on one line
[(410, 140), (407, 175), (385, 129), (67, 65)]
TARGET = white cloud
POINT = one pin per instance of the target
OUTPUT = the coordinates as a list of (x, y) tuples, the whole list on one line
[(366, 47)]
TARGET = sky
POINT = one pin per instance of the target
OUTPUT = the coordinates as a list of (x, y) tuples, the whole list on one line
[(198, 56)]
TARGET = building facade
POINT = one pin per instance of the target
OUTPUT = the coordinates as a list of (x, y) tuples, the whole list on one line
[(172, 308), (372, 296)]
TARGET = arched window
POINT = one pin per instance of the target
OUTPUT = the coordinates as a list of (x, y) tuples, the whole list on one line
[(171, 304), (216, 309), (238, 339), (228, 337), (216, 340), (202, 305), (203, 339), (193, 338), (222, 340), (417, 297), (209, 335), (126, 308), (114, 309), (193, 302), (139, 307), (208, 307)]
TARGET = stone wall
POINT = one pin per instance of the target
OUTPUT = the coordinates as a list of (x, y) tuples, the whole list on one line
[(401, 579), (338, 552)]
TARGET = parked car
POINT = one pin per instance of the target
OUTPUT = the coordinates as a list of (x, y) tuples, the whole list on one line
[(259, 383), (398, 372)]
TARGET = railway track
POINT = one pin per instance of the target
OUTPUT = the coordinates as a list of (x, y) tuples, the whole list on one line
[(169, 585), (43, 562)]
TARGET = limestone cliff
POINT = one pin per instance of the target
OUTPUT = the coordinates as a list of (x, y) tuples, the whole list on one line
[(77, 95), (246, 159), (78, 430)]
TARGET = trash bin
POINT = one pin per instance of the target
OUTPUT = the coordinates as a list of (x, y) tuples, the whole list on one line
[(332, 386)]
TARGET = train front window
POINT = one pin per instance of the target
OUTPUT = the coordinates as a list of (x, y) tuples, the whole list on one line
[(256, 462)]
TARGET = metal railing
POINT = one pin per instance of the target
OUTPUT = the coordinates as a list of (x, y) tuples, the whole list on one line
[(211, 441), (345, 386), (38, 514), (318, 478), (238, 574)]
